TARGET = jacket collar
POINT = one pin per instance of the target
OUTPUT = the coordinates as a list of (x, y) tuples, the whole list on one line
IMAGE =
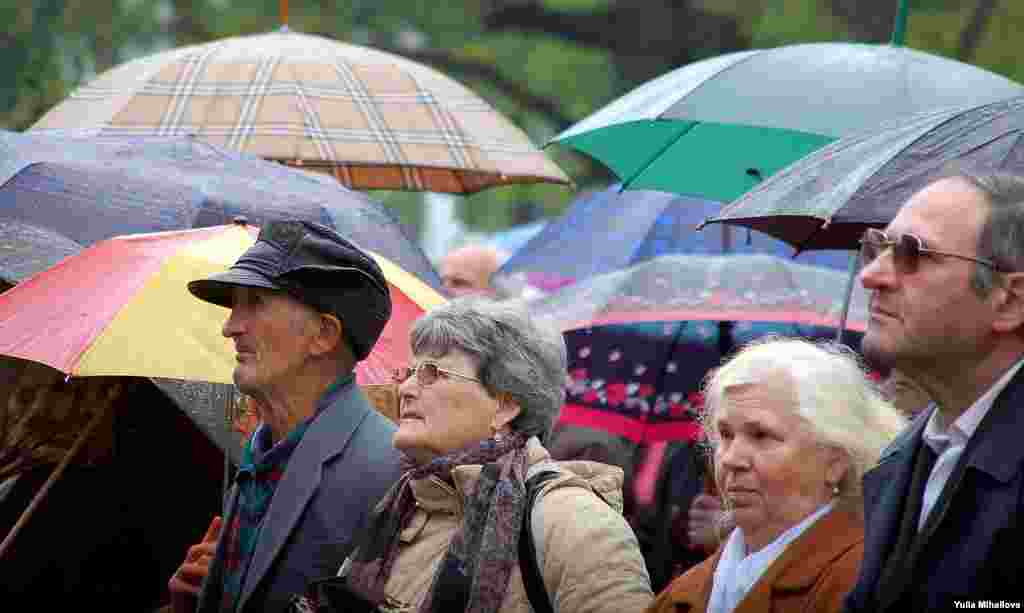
[(799, 566), (436, 495), (995, 447), (326, 437), (801, 563), (906, 440)]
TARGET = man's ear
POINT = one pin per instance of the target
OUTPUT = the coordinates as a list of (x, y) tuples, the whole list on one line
[(329, 334), (1009, 306)]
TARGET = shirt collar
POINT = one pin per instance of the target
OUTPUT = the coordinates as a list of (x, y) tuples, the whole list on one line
[(331, 394), (261, 444), (938, 436)]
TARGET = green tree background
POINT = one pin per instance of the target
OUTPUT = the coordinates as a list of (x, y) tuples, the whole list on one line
[(544, 63)]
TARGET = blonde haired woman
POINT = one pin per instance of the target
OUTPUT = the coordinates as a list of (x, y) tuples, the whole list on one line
[(794, 426)]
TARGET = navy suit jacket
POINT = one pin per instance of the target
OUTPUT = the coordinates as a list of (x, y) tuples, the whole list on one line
[(972, 543), (341, 468)]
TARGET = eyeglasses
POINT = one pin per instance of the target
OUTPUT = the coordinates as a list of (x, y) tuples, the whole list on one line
[(427, 373), (907, 249)]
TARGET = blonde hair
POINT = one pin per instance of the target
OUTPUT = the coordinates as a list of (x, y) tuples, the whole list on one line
[(833, 395)]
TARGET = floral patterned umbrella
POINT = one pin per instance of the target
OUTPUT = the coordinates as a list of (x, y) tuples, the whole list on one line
[(642, 380), (641, 339)]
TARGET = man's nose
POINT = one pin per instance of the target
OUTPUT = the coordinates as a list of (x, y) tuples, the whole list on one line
[(877, 273), (233, 326)]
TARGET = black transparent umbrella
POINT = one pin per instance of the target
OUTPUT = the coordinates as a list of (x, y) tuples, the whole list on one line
[(828, 199)]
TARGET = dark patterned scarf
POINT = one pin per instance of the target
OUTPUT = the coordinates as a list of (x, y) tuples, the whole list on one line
[(257, 480), (482, 552)]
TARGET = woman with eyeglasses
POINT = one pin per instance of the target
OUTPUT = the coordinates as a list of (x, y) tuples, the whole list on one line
[(794, 425), (483, 392)]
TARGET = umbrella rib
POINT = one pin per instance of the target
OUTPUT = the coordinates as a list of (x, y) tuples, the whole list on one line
[(311, 119), (627, 182), (183, 89), (749, 57), (374, 119), (252, 98)]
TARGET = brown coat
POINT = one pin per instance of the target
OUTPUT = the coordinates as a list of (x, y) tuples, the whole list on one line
[(813, 574)]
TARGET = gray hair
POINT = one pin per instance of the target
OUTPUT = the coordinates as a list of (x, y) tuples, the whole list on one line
[(1002, 236), (833, 395), (514, 354)]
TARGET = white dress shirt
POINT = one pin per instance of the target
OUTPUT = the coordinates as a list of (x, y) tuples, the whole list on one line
[(949, 443), (737, 572)]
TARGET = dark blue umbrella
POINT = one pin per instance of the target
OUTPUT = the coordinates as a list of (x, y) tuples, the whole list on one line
[(610, 230), (88, 190)]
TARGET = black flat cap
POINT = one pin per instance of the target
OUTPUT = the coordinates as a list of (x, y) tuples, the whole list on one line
[(318, 267)]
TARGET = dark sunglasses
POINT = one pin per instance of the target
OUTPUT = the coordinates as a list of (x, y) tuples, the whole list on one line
[(427, 373), (907, 249)]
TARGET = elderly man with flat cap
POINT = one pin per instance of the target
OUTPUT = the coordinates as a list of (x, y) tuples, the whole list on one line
[(306, 306)]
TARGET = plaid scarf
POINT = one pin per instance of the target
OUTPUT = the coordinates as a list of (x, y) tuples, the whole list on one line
[(257, 481), (483, 550)]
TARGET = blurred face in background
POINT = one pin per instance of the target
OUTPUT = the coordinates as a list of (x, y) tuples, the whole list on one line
[(468, 270)]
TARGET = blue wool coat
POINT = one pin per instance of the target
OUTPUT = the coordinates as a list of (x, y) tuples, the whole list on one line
[(972, 541), (343, 465)]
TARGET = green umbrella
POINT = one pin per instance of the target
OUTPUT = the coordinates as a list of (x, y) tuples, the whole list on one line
[(715, 128)]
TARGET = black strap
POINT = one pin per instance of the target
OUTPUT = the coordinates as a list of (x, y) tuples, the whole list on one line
[(533, 581)]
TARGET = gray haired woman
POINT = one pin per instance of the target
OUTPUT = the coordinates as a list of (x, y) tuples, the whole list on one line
[(483, 393)]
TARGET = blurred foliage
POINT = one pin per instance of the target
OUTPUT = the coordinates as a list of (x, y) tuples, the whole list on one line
[(552, 61)]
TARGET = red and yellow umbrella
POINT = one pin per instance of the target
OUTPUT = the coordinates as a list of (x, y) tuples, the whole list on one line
[(121, 308)]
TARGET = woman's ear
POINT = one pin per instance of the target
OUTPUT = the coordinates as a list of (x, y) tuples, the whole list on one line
[(508, 409), (837, 465)]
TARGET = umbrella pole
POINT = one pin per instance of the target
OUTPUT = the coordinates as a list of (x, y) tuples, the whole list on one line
[(230, 409), (899, 31), (45, 489), (854, 265)]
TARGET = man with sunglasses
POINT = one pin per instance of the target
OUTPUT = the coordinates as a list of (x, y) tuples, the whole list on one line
[(943, 507), (306, 306)]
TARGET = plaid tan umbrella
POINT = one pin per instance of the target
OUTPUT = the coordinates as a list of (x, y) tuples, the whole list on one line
[(375, 120)]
